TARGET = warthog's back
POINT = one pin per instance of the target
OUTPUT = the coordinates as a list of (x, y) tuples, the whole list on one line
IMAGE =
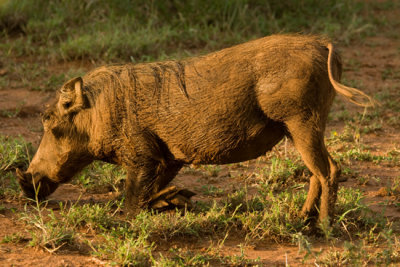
[(224, 107)]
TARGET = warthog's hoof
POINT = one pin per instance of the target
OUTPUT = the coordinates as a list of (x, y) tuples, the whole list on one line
[(171, 198), (310, 216)]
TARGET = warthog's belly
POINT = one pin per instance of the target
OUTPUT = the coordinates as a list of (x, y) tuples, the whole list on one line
[(234, 146)]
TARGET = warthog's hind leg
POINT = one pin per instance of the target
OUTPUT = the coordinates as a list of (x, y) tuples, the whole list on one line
[(308, 139)]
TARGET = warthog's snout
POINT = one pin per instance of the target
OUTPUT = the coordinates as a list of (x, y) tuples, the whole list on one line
[(35, 184)]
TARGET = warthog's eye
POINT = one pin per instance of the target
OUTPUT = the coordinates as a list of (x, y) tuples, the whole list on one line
[(67, 105)]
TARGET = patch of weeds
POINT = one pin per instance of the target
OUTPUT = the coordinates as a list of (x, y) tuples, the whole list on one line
[(393, 188), (364, 231), (353, 64), (102, 177), (346, 171), (391, 253), (305, 246), (182, 257), (390, 73), (363, 180), (14, 153), (372, 128), (190, 170), (45, 230), (214, 220), (384, 95), (239, 201), (209, 257), (211, 170), (25, 74), (210, 190), (13, 238), (278, 217), (345, 136), (142, 31), (393, 105), (35, 76), (281, 173), (342, 115), (9, 187), (122, 247), (351, 211), (12, 113), (360, 153), (52, 232), (51, 83), (361, 253), (354, 254), (353, 83), (130, 242), (90, 216)]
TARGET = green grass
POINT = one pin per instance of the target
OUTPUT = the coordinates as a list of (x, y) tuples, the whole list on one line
[(14, 153), (266, 216), (35, 37), (9, 187), (100, 177), (281, 173), (40, 41), (269, 215), (121, 30)]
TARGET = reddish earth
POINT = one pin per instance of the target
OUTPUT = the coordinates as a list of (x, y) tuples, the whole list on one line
[(367, 61)]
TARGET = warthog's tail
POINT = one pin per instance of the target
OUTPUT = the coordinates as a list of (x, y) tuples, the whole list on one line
[(352, 94)]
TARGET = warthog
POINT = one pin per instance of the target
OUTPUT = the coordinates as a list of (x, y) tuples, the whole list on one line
[(224, 107)]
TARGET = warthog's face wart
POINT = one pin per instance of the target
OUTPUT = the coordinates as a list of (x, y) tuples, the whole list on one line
[(63, 148)]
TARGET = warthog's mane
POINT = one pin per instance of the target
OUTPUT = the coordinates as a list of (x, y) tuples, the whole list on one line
[(120, 78)]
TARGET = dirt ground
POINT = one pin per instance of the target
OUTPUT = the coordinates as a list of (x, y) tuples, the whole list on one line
[(366, 61)]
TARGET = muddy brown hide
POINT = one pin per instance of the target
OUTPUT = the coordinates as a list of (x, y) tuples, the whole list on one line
[(225, 107)]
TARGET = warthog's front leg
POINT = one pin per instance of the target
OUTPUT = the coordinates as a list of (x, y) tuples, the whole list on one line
[(146, 187)]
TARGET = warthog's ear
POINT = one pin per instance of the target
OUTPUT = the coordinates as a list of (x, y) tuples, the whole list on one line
[(71, 96)]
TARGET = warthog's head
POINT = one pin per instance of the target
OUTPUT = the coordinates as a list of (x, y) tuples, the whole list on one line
[(63, 150)]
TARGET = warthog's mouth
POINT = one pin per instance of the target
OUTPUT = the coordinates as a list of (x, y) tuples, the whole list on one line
[(35, 186)]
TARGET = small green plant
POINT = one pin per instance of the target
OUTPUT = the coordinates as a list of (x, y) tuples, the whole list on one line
[(211, 190), (102, 177), (211, 170), (9, 187), (12, 113), (46, 231), (123, 248), (390, 73), (14, 153), (90, 216), (363, 253), (13, 238), (281, 173)]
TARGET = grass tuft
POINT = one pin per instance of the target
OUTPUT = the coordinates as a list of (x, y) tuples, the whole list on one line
[(14, 153), (143, 30)]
